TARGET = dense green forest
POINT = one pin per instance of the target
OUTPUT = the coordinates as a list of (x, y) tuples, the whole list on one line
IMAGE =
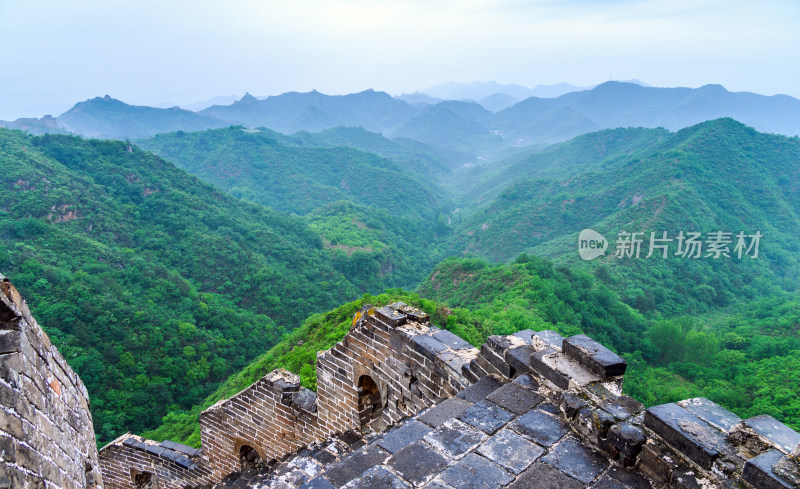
[(717, 176), (158, 287), (748, 361)]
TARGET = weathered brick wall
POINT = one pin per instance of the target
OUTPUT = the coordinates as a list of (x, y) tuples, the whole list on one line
[(392, 360), (130, 459), (274, 417), (689, 444), (46, 432), (409, 365)]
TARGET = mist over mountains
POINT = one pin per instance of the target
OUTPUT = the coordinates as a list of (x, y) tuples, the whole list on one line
[(471, 118)]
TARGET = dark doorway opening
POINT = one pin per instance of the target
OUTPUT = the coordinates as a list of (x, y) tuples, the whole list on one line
[(370, 406), (248, 456)]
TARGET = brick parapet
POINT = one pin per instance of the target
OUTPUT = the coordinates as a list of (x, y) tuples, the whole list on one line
[(46, 431), (691, 443), (170, 465)]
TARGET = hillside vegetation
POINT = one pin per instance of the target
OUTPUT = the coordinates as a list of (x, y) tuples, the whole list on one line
[(717, 176), (154, 285)]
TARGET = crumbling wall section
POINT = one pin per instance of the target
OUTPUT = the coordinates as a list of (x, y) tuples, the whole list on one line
[(392, 364), (689, 444), (46, 432), (130, 462), (272, 418)]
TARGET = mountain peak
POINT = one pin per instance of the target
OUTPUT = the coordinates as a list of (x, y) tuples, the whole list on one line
[(248, 99)]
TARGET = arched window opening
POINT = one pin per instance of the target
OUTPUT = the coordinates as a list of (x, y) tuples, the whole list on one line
[(370, 406), (142, 480), (248, 456)]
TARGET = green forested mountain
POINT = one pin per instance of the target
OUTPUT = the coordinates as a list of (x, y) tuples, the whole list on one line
[(105, 117), (259, 166), (119, 250), (748, 361), (154, 285), (717, 176)]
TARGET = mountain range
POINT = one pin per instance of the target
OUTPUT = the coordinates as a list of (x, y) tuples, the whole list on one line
[(450, 126)]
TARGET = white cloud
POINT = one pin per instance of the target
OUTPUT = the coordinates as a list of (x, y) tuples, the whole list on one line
[(56, 53)]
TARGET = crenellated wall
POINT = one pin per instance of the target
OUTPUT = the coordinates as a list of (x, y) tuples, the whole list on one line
[(131, 462), (274, 417), (693, 443), (46, 433), (391, 364)]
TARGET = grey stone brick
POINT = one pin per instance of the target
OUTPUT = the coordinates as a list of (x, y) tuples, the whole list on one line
[(449, 409), (318, 483), (417, 463), (758, 471), (685, 431), (486, 416), (349, 468), (377, 478), (541, 476), (540, 427), (515, 398), (711, 413), (594, 356), (576, 460), (455, 438), (451, 340), (770, 428), (510, 450), (476, 472), (403, 436), (479, 390)]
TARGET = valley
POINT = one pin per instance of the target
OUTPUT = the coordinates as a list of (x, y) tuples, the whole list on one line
[(196, 251)]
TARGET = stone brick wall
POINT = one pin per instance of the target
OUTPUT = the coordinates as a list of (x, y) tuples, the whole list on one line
[(46, 432), (130, 462), (689, 444), (395, 351), (391, 364), (273, 417)]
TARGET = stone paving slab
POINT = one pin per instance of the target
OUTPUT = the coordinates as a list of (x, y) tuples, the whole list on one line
[(576, 460), (480, 389), (541, 476), (346, 470), (775, 431), (515, 398), (451, 408), (486, 416), (511, 451), (540, 427), (476, 472), (418, 463), (455, 438), (403, 436), (377, 478)]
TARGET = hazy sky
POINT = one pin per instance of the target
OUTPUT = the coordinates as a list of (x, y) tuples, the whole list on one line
[(55, 53)]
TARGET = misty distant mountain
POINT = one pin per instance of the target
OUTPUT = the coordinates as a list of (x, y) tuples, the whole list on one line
[(463, 131), (108, 118), (459, 126), (218, 100), (498, 101), (45, 125), (418, 98), (617, 104), (315, 111), (480, 90)]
